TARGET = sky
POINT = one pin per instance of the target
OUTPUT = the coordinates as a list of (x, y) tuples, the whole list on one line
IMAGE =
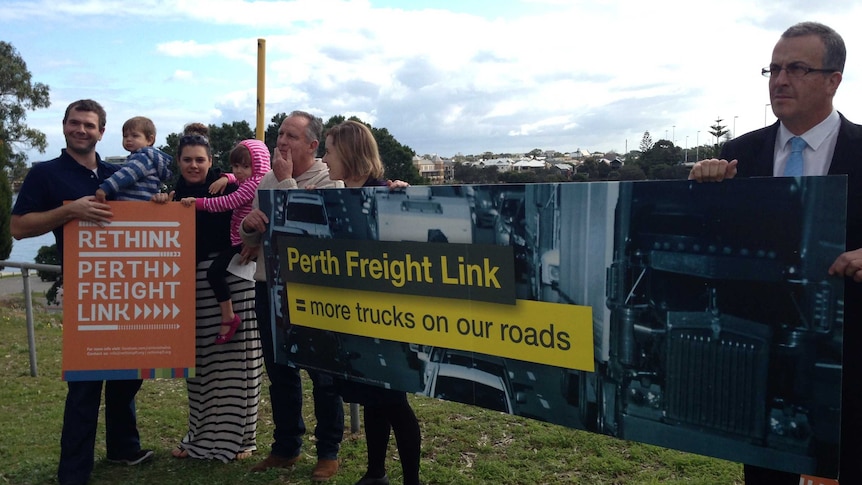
[(445, 77)]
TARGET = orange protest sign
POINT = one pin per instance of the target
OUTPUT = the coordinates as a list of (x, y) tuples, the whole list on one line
[(129, 294), (811, 480)]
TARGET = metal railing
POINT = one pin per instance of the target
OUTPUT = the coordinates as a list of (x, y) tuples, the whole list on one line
[(28, 302), (31, 329)]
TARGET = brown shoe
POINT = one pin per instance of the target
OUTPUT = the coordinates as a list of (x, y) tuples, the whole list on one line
[(324, 470), (275, 461)]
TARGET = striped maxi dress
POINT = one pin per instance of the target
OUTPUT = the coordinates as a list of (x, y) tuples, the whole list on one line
[(225, 394)]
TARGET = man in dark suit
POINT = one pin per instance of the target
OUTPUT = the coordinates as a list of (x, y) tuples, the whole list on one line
[(804, 74)]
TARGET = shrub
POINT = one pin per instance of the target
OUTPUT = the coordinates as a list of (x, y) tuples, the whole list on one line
[(48, 255)]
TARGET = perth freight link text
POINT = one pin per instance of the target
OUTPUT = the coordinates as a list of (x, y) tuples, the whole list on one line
[(396, 271)]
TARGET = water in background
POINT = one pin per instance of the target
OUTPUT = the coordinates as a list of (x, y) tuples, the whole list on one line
[(25, 250)]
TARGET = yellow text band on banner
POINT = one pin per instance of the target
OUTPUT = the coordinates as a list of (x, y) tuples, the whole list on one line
[(545, 333)]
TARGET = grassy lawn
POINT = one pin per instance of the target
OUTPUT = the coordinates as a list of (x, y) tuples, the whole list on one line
[(461, 444)]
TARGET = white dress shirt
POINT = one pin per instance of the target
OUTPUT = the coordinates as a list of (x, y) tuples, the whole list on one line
[(821, 141)]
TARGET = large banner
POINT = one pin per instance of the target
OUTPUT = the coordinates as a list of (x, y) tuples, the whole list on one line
[(692, 316), (129, 299)]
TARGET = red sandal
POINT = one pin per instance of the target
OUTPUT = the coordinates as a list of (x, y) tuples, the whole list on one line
[(234, 325)]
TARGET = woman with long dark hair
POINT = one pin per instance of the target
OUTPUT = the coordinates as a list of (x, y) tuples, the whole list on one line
[(225, 392)]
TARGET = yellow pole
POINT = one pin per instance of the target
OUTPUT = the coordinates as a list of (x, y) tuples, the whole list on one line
[(260, 130)]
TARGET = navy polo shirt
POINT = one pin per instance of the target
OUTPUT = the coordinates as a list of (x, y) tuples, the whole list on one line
[(48, 184)]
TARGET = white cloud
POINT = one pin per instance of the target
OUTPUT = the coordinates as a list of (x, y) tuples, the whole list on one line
[(558, 75), (182, 75)]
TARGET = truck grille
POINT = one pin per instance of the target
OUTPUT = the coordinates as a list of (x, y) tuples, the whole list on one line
[(718, 382)]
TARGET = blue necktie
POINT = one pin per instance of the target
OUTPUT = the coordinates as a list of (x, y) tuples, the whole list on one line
[(794, 163)]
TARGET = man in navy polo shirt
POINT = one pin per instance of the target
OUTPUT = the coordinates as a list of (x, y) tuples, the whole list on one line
[(75, 176)]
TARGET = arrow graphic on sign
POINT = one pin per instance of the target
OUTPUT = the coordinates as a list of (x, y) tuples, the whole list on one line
[(137, 326), (156, 310)]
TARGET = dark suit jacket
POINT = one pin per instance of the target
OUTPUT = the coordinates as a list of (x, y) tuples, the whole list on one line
[(755, 152)]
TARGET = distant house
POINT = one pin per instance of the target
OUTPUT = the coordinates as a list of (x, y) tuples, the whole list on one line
[(526, 164), (432, 169), (564, 169), (502, 164), (115, 160), (579, 154), (448, 170), (616, 164)]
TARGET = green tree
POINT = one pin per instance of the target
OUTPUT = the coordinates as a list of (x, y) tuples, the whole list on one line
[(593, 169), (18, 94), (465, 173), (604, 170), (172, 141), (396, 158), (17, 170), (646, 142), (587, 170), (48, 255), (332, 121), (222, 140), (536, 175), (631, 172), (470, 174), (270, 137), (632, 156), (5, 216), (535, 153), (706, 151), (718, 130), (656, 161), (519, 177)]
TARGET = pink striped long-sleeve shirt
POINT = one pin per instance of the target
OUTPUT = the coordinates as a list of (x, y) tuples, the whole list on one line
[(240, 201)]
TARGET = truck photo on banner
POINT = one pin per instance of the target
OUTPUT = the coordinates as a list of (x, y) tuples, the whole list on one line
[(691, 316)]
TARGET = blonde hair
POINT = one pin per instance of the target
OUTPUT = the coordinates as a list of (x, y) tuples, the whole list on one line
[(354, 144)]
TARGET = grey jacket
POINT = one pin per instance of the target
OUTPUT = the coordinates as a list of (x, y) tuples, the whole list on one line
[(317, 176)]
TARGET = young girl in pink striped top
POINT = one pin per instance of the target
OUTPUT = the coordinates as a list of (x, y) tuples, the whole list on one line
[(249, 161)]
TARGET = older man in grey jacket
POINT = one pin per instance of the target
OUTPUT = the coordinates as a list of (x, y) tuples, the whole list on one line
[(293, 166)]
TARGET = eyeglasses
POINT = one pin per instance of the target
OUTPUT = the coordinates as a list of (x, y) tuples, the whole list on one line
[(194, 140), (795, 71)]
